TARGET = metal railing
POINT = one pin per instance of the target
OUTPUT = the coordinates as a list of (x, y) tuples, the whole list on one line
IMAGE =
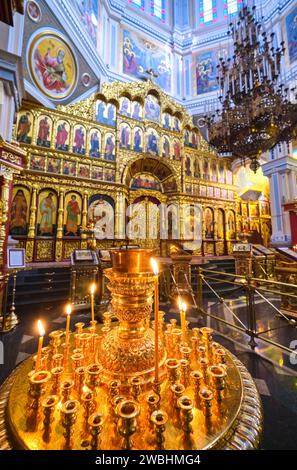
[(270, 332)]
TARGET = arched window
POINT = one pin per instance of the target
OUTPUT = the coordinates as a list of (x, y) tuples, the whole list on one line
[(231, 7), (158, 9), (137, 3), (207, 11)]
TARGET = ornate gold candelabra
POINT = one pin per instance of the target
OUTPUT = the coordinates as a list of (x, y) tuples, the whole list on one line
[(110, 381)]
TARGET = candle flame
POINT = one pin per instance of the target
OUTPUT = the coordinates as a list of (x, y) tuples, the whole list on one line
[(93, 288), (40, 328), (68, 309), (184, 307), (155, 266)]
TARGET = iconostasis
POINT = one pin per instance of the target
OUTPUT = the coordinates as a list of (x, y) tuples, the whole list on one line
[(94, 158)]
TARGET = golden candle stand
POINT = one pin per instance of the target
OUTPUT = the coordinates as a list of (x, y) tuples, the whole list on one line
[(99, 393), (10, 320)]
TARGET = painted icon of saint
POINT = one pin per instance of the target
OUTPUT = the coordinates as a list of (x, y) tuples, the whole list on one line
[(43, 133), (47, 209), (109, 148), (73, 212), (137, 141), (52, 70), (176, 150), (79, 141), (61, 137), (95, 144), (166, 148), (18, 218), (100, 112), (125, 137), (24, 127), (152, 144)]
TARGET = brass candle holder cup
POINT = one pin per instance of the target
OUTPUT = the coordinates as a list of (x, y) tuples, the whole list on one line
[(218, 374), (127, 412), (69, 411), (79, 378), (159, 419), (206, 397), (66, 390), (48, 405), (186, 406), (79, 327), (38, 381), (173, 369), (93, 379), (177, 390), (57, 378), (55, 340), (95, 422), (136, 384)]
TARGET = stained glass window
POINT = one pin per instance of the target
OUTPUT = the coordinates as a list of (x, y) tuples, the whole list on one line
[(137, 3), (231, 7), (158, 9), (208, 12)]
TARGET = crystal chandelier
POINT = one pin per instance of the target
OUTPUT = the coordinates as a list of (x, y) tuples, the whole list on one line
[(255, 111)]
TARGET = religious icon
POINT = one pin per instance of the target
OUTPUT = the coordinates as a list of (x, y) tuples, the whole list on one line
[(208, 223), (125, 107), (62, 136), (169, 185), (196, 168), (217, 193), (166, 121), (214, 171), (73, 212), (220, 225), (231, 225), (166, 147), (176, 124), (100, 111), (109, 175), (193, 143), (188, 167), (111, 113), (152, 108), (19, 212), (202, 190), (53, 165), (79, 140), (97, 173), (187, 138), (152, 143), (137, 139), (109, 147), (44, 132), (176, 149), (37, 163), (47, 213), (210, 191), (95, 137), (137, 111), (69, 168), (83, 171), (52, 65), (33, 11), (144, 181), (188, 188), (221, 173), (205, 170), (88, 14), (24, 129), (125, 136), (85, 79)]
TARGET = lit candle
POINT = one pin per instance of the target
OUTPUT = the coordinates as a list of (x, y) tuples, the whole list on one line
[(92, 291), (40, 343), (183, 309), (68, 313), (155, 268)]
